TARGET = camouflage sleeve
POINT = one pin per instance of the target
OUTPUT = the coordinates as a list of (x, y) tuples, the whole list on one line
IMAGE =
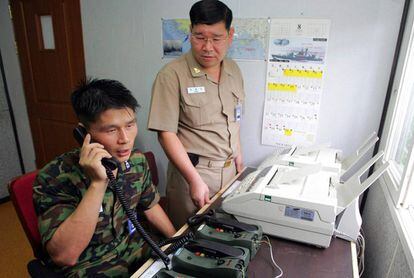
[(54, 198), (150, 195)]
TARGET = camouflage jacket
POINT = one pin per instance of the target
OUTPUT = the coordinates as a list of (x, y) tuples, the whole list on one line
[(59, 188)]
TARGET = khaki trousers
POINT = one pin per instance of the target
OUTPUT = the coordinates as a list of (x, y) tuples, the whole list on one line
[(179, 203)]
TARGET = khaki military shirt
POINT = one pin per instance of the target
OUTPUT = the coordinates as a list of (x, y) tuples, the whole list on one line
[(202, 112), (57, 191)]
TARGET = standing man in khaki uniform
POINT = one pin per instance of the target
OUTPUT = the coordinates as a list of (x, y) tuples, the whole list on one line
[(196, 109)]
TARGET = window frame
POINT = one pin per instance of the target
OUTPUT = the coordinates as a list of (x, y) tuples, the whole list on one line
[(398, 184), (398, 187)]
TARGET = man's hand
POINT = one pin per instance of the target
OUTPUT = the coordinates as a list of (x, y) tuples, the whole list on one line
[(74, 234), (239, 163), (176, 153), (199, 193), (90, 159)]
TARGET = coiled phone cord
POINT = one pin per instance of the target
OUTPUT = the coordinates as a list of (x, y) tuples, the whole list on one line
[(177, 242), (113, 184)]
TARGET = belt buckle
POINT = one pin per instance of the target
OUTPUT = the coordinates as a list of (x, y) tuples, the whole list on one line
[(227, 163)]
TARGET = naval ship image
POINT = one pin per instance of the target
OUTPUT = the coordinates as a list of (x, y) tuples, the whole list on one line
[(302, 55)]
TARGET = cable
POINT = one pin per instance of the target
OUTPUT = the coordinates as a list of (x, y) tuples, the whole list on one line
[(360, 248), (361, 252), (174, 239), (113, 184), (267, 241), (177, 242)]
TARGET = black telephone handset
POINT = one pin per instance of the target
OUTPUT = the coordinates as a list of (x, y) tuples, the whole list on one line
[(79, 133), (111, 164)]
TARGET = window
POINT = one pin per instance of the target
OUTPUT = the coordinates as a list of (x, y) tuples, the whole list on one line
[(46, 28), (399, 128), (397, 141)]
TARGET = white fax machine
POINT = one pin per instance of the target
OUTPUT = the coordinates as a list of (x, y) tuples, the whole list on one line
[(300, 197)]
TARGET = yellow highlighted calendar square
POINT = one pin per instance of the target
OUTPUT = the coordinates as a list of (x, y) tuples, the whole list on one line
[(303, 73), (282, 87)]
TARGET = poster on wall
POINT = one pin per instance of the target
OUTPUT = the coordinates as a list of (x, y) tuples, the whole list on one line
[(296, 68), (249, 41)]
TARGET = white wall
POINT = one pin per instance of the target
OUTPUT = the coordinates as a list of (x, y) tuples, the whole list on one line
[(122, 40), (9, 162), (15, 86)]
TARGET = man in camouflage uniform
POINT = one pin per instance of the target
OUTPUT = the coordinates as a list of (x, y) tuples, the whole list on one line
[(83, 226)]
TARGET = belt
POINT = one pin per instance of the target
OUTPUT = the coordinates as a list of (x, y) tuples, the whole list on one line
[(215, 163)]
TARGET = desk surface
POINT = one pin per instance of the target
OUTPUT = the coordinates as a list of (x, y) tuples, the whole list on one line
[(295, 259), (301, 260)]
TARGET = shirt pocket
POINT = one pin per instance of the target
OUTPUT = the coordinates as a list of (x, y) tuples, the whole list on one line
[(194, 109), (238, 96)]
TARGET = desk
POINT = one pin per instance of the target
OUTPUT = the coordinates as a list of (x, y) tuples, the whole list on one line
[(295, 259), (300, 260)]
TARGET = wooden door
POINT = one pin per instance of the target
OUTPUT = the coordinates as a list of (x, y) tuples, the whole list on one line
[(50, 48)]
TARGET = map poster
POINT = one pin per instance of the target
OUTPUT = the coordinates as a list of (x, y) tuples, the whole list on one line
[(296, 68), (249, 42)]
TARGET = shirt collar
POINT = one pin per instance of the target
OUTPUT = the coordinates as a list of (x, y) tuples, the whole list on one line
[(193, 65), (196, 69), (226, 67)]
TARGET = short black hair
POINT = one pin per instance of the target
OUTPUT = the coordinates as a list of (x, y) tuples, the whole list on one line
[(94, 96), (210, 12)]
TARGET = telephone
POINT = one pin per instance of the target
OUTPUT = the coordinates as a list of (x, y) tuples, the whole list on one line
[(204, 258), (111, 164), (223, 228), (79, 133)]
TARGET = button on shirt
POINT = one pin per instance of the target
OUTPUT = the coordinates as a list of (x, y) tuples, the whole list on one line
[(186, 101)]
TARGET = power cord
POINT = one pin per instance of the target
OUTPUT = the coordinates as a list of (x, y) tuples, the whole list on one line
[(267, 241), (360, 248), (361, 252)]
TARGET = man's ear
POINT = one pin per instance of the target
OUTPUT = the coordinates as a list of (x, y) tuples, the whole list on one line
[(231, 34)]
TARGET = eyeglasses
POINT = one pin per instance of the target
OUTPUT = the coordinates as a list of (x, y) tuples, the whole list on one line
[(214, 41)]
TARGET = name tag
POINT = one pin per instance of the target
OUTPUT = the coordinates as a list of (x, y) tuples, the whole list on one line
[(238, 112), (131, 227), (127, 166), (196, 90)]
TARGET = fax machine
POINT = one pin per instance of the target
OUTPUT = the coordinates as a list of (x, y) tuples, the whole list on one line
[(299, 195)]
